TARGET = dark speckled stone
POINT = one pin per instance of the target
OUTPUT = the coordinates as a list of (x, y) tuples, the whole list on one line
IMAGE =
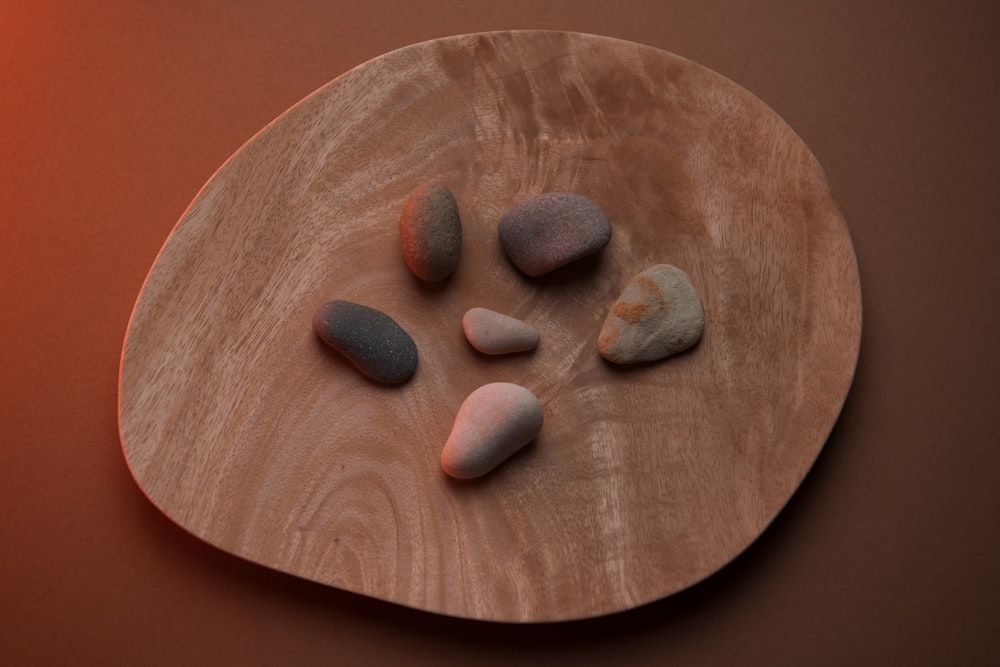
[(369, 338), (551, 230)]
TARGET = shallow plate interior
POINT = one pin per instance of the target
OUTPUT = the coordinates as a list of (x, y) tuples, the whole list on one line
[(246, 431)]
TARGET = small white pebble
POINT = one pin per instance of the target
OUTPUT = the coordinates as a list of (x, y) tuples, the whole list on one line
[(491, 332)]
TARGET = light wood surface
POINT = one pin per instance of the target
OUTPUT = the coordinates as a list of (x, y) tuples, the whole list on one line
[(246, 431)]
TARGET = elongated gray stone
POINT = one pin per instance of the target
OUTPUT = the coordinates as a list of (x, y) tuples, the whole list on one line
[(657, 315), (430, 231), (491, 332), (370, 339), (495, 421), (551, 230)]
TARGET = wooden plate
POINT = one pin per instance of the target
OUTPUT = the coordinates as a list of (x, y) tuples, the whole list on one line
[(246, 431)]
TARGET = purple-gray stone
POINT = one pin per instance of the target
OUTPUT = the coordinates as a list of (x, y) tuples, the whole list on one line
[(370, 339), (552, 230)]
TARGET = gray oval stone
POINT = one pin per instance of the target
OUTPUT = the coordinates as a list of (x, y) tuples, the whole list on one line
[(551, 230), (370, 339), (657, 315), (491, 332), (430, 231), (495, 421)]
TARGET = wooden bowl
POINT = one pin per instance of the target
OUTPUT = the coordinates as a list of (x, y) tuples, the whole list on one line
[(246, 431)]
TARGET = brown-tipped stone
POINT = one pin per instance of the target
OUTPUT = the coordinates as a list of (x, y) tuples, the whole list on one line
[(430, 230)]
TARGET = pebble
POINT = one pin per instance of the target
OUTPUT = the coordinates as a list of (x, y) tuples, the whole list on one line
[(495, 421), (551, 230), (430, 230), (370, 339), (491, 332), (657, 315)]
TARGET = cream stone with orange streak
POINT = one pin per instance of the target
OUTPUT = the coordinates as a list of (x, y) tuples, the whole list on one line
[(657, 316)]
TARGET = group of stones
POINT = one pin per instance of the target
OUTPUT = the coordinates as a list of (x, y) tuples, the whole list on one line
[(657, 315)]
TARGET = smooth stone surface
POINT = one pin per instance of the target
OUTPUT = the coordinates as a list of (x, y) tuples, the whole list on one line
[(430, 230), (658, 314), (495, 421), (370, 339), (551, 230), (491, 332)]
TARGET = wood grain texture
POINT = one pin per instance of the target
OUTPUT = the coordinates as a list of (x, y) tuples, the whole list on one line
[(245, 430)]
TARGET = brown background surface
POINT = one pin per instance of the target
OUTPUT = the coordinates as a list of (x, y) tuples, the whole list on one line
[(112, 115)]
